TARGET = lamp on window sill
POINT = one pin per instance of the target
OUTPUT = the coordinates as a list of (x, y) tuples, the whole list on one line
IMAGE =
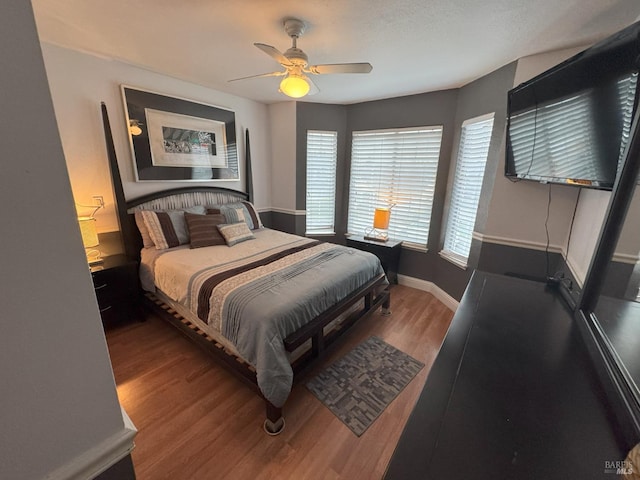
[(381, 219)]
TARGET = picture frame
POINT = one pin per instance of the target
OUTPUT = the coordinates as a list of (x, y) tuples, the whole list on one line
[(175, 139)]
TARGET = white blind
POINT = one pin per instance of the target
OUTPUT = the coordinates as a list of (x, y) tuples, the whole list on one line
[(394, 167), (467, 185), (322, 150)]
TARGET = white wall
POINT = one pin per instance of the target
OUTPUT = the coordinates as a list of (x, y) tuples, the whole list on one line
[(282, 117), (628, 248), (79, 82), (58, 402), (590, 213)]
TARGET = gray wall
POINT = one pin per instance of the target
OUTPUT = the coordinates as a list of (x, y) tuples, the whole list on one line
[(436, 108), (59, 403), (317, 116), (284, 222), (520, 262), (485, 95), (448, 108)]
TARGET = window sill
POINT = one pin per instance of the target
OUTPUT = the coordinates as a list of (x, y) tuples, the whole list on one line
[(455, 259), (319, 234), (414, 247)]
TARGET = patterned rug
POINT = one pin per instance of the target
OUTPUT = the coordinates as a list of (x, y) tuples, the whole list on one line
[(358, 387)]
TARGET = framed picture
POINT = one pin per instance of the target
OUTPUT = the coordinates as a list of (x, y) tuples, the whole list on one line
[(178, 139)]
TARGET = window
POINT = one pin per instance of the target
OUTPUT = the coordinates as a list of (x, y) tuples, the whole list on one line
[(467, 184), (394, 168), (322, 148)]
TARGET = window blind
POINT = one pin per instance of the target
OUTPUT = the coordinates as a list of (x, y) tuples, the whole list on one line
[(322, 148), (475, 138), (394, 167)]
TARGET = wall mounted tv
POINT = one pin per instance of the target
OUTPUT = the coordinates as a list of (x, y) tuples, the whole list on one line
[(571, 124)]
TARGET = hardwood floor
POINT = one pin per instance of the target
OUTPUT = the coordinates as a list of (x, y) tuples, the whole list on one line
[(196, 421)]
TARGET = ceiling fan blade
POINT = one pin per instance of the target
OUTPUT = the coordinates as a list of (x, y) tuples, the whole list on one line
[(272, 74), (274, 53), (313, 88), (340, 68)]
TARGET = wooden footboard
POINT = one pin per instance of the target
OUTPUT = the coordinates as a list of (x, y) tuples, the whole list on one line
[(375, 294), (314, 330)]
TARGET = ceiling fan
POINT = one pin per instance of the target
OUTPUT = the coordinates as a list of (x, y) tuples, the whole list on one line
[(297, 83)]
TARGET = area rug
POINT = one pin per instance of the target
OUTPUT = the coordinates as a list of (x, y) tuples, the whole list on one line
[(358, 387)]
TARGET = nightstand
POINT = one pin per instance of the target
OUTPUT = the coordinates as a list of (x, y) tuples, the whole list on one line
[(117, 288), (388, 253)]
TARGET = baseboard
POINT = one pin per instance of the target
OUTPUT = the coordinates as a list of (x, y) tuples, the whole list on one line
[(430, 287), (101, 457)]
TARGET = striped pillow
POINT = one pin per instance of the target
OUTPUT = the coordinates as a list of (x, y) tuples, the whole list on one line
[(238, 212), (253, 214), (234, 233), (203, 231), (168, 228), (235, 215), (144, 231)]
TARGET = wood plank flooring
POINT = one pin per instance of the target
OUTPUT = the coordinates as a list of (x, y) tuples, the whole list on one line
[(196, 421)]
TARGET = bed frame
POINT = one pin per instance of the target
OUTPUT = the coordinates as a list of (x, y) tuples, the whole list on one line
[(375, 293)]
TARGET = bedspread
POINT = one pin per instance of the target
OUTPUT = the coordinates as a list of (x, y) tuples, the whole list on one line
[(263, 293)]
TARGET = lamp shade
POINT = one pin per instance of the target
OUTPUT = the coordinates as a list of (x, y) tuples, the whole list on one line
[(381, 218), (88, 231), (294, 86)]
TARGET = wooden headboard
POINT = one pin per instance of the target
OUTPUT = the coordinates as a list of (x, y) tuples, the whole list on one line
[(170, 199), (173, 199)]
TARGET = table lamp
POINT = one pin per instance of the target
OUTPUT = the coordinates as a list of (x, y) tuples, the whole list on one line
[(90, 239), (378, 233), (89, 232)]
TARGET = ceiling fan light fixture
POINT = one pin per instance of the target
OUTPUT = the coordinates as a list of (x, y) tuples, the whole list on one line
[(295, 64), (294, 86)]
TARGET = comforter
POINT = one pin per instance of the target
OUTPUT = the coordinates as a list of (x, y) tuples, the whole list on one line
[(258, 292)]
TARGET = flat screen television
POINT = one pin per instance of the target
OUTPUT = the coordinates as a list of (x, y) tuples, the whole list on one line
[(571, 124)]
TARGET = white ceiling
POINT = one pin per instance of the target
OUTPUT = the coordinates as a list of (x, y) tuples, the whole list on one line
[(414, 45)]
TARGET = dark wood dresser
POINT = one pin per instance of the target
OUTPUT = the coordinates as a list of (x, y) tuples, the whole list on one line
[(512, 394)]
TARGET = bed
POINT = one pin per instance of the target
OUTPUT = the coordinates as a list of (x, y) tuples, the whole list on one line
[(268, 305), (265, 304)]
